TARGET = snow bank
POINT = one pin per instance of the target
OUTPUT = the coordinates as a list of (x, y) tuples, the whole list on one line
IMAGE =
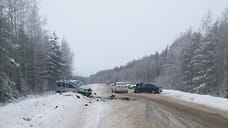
[(215, 102), (51, 111)]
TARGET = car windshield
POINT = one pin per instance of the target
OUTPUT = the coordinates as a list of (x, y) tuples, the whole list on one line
[(120, 83)]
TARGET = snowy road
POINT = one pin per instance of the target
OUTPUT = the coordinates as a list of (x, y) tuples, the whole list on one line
[(151, 111), (71, 110), (163, 112)]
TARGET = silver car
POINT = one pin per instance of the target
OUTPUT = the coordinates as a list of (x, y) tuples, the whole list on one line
[(73, 86), (120, 87)]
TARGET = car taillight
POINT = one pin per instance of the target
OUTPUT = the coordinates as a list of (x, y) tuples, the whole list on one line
[(118, 86), (126, 86)]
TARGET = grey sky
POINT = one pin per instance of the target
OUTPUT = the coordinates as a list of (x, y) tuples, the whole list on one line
[(108, 33)]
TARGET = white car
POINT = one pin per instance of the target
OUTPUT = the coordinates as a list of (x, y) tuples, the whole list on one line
[(120, 87)]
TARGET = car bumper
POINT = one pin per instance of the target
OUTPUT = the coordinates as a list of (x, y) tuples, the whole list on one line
[(121, 90), (86, 93)]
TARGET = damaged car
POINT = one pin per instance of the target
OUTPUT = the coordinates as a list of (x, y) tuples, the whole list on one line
[(77, 86)]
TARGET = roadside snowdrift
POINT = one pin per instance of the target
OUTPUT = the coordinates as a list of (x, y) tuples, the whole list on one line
[(66, 110), (215, 102), (51, 111)]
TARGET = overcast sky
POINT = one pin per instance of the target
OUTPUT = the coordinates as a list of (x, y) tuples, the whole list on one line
[(108, 33)]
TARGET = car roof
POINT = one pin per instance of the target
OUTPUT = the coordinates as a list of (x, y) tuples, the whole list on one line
[(121, 83), (75, 82), (149, 84), (62, 81)]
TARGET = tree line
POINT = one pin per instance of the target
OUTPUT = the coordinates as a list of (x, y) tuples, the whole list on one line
[(197, 61), (31, 58)]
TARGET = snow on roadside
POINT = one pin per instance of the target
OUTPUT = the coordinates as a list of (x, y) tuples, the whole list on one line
[(51, 111), (215, 102), (93, 114), (97, 112)]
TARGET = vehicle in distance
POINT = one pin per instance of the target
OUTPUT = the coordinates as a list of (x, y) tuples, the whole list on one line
[(131, 85), (73, 86), (120, 87), (149, 88)]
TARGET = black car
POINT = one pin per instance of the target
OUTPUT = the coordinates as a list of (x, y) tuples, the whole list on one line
[(149, 88)]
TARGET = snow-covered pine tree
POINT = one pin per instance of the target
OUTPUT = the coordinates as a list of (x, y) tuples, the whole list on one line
[(67, 58), (56, 65), (187, 64), (226, 67), (203, 62), (5, 60)]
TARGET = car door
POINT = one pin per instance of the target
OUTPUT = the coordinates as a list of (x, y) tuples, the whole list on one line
[(71, 87), (153, 88), (148, 88), (67, 87), (144, 88)]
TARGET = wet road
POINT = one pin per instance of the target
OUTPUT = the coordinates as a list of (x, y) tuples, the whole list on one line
[(186, 114), (158, 111), (145, 111)]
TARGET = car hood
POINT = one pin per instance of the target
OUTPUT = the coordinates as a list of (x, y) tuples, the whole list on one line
[(85, 87)]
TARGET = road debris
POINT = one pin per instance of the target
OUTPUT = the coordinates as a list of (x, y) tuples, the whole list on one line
[(27, 119)]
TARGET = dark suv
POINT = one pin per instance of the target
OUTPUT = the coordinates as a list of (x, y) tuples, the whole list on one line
[(150, 88)]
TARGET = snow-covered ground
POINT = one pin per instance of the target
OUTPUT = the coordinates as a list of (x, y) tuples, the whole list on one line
[(52, 111), (49, 111), (215, 102)]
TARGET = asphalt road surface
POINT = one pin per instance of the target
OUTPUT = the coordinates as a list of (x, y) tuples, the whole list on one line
[(146, 111), (158, 111)]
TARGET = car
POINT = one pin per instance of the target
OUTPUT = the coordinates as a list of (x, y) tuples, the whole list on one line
[(120, 87), (73, 86), (112, 84), (149, 88), (107, 83), (131, 85)]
